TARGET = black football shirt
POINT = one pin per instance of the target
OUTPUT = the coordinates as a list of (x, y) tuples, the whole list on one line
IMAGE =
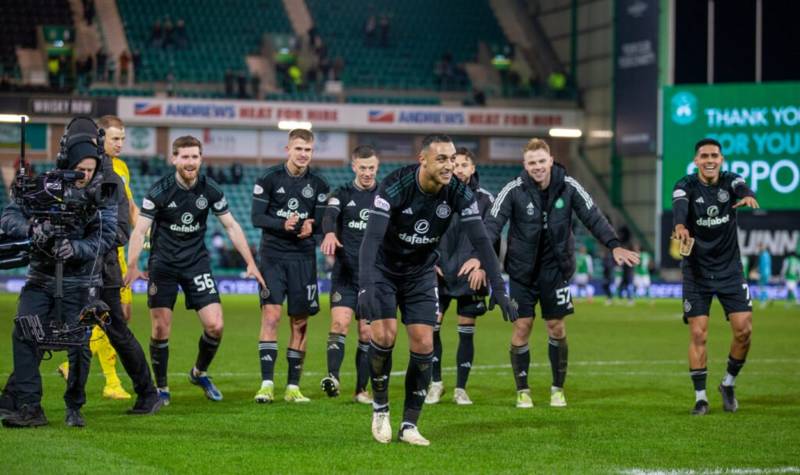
[(179, 218), (349, 207), (707, 212), (277, 195), (418, 220)]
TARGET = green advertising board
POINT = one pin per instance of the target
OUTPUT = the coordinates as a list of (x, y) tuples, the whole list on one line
[(35, 137), (758, 126)]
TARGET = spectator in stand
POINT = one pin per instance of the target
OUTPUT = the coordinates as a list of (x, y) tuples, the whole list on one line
[(313, 33), (125, 78), (324, 68), (443, 72), (170, 84), (479, 97), (181, 40), (111, 66), (169, 33), (241, 82), (312, 78), (137, 61), (144, 167), (100, 64), (84, 68), (255, 86), (370, 28), (157, 35), (383, 28), (52, 71), (228, 83), (237, 172), (295, 78), (63, 71), (337, 68), (222, 177)]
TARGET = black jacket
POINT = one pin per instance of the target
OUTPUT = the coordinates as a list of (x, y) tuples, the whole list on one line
[(519, 203), (455, 247), (112, 272), (91, 238)]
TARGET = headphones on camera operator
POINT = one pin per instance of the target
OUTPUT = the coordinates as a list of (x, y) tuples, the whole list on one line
[(80, 130)]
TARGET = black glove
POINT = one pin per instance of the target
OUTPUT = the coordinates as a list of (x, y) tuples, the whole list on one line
[(64, 250), (508, 308), (40, 233), (368, 307)]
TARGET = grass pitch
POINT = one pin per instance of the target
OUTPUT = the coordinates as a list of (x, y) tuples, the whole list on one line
[(628, 391)]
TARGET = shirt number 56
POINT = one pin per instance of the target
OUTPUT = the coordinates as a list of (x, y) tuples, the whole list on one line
[(204, 282)]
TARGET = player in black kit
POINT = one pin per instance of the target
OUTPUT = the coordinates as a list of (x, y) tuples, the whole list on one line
[(461, 278), (409, 215), (539, 205), (177, 207), (288, 203), (704, 208), (343, 227)]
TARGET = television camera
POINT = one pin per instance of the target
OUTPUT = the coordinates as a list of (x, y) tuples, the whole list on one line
[(53, 201)]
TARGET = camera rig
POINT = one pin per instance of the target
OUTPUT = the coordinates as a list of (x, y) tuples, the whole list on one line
[(52, 197)]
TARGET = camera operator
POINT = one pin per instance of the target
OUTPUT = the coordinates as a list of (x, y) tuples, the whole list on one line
[(89, 236)]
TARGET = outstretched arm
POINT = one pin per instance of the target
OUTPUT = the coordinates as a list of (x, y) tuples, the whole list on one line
[(329, 220), (135, 246), (237, 237), (598, 225)]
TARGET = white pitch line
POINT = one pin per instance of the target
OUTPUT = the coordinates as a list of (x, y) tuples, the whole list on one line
[(712, 471), (484, 368)]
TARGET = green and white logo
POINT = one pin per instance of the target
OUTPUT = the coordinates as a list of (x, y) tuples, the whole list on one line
[(139, 138), (559, 203), (684, 108)]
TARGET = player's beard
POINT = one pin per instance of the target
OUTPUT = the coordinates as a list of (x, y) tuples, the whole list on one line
[(189, 177)]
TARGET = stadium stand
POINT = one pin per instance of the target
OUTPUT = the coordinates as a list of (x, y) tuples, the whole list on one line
[(219, 35), (395, 100), (120, 91), (420, 32)]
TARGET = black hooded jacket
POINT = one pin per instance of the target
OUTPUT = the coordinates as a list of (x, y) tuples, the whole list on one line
[(520, 204), (455, 247), (91, 237), (112, 272)]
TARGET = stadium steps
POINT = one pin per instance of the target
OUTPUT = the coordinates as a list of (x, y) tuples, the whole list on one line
[(112, 26), (299, 16)]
